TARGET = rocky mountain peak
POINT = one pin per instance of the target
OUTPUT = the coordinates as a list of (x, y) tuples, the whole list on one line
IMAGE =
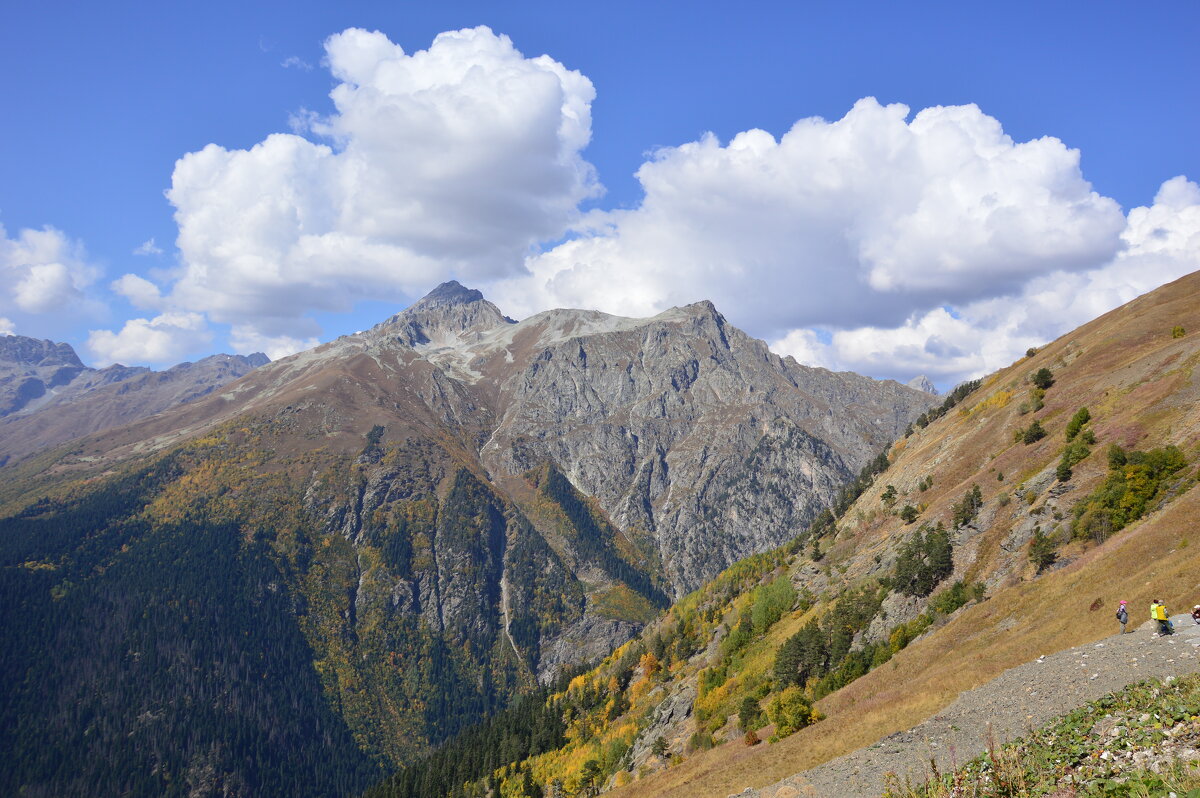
[(451, 292), (922, 383), (702, 308), (448, 315), (21, 350)]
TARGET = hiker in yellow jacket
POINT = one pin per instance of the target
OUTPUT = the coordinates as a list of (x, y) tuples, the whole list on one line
[(1158, 612)]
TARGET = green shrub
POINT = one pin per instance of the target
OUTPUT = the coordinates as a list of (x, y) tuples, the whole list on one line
[(770, 602), (1075, 452), (1081, 417), (739, 636), (1042, 378), (1135, 480), (1033, 433), (925, 559), (947, 601), (964, 512), (659, 747), (701, 740), (909, 514), (749, 715), (790, 711), (1177, 331), (1042, 551)]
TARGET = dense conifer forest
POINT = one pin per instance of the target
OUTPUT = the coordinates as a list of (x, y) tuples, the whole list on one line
[(174, 668)]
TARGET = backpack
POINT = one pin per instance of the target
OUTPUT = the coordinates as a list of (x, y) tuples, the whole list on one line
[(1122, 615)]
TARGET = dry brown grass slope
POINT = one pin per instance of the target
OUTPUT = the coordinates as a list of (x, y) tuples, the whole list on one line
[(1143, 390)]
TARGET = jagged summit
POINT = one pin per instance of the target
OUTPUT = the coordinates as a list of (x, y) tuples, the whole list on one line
[(447, 316), (922, 383), (37, 352), (451, 292)]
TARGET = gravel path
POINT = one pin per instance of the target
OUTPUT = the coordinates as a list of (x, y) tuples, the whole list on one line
[(1020, 699)]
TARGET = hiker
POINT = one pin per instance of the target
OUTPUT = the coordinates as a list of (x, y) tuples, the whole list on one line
[(1123, 616), (1158, 612), (1196, 613)]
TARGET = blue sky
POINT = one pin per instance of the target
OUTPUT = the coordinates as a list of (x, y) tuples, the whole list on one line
[(103, 100)]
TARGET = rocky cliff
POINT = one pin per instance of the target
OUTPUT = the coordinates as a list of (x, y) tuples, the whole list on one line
[(460, 504)]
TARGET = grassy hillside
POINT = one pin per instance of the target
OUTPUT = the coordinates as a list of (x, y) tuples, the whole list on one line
[(1005, 527)]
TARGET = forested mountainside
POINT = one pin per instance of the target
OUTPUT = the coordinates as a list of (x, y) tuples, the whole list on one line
[(48, 396), (1005, 523), (356, 553)]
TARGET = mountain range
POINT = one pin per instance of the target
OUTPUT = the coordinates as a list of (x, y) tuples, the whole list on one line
[(387, 538), (48, 396)]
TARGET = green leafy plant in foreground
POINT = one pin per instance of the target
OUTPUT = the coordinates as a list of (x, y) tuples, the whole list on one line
[(1080, 755)]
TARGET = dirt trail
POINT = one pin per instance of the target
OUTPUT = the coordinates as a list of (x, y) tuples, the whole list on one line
[(1020, 699)]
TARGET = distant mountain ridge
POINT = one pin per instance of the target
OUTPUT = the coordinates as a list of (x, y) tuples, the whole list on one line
[(48, 396)]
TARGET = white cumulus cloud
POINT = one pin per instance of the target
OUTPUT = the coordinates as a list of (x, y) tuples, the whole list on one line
[(166, 338), (858, 221), (148, 247), (246, 338), (451, 161), (42, 272), (139, 291), (1160, 243), (7, 327)]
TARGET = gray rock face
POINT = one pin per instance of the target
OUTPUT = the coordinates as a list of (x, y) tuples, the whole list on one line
[(684, 427), (687, 432), (589, 639), (690, 443), (29, 368), (508, 497)]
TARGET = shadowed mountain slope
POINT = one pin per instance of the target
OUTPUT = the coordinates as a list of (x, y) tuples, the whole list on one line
[(447, 509)]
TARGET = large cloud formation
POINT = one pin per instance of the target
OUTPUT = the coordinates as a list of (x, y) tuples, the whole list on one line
[(876, 243), (45, 274), (458, 160), (850, 222), (166, 338), (885, 242), (1159, 244)]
